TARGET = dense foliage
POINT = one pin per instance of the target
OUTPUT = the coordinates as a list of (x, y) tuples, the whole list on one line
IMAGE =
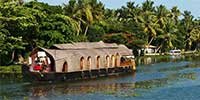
[(26, 25)]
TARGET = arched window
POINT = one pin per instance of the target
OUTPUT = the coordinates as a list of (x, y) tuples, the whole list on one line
[(89, 62), (107, 61), (98, 62), (65, 67), (112, 61), (122, 61), (117, 59), (81, 63)]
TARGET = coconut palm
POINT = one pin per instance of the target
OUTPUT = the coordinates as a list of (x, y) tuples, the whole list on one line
[(85, 11), (175, 13), (148, 26), (148, 6), (132, 12), (128, 12), (162, 15), (194, 36), (188, 26), (168, 36), (148, 18)]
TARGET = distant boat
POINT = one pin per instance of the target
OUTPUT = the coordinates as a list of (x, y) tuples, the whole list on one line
[(148, 50), (78, 60), (176, 52)]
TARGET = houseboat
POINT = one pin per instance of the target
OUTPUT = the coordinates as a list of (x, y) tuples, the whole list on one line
[(148, 50), (175, 52), (78, 61)]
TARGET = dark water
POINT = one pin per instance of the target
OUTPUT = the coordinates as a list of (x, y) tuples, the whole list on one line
[(160, 78)]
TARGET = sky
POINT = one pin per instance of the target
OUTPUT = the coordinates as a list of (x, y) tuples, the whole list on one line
[(190, 5)]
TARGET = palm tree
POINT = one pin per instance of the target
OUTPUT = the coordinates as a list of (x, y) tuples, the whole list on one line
[(188, 26), (134, 12), (175, 13), (162, 15), (128, 12), (148, 26), (147, 18), (168, 36), (86, 12), (194, 36), (147, 6), (72, 10)]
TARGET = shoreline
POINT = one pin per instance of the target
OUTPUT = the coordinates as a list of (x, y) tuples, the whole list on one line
[(16, 69)]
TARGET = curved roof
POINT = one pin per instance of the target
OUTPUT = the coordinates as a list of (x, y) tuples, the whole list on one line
[(85, 45), (62, 51)]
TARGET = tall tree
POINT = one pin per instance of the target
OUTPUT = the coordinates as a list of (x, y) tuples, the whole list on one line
[(85, 11), (168, 36), (187, 27), (148, 6), (175, 13), (162, 15)]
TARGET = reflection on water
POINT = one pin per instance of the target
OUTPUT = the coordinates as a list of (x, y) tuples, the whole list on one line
[(157, 59), (100, 86), (81, 89), (156, 78), (7, 79)]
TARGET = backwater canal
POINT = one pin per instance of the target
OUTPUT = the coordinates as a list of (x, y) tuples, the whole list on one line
[(156, 78)]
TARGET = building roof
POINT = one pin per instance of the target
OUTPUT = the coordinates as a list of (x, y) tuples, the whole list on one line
[(85, 45), (85, 49)]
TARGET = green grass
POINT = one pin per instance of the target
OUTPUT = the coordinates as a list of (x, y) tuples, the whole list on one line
[(10, 69), (110, 92)]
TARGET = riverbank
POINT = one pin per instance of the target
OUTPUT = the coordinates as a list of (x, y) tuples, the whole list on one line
[(10, 69), (158, 79), (195, 52), (17, 68)]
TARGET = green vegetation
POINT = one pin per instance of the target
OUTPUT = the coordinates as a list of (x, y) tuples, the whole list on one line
[(10, 69), (26, 25)]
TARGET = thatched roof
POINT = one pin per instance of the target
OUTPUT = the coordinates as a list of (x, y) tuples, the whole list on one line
[(85, 45), (85, 49)]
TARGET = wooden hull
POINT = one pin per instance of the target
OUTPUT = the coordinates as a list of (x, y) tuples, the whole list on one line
[(62, 76)]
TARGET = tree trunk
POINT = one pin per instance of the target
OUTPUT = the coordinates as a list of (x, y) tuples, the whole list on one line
[(150, 41), (12, 57), (86, 29), (78, 31), (158, 48)]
